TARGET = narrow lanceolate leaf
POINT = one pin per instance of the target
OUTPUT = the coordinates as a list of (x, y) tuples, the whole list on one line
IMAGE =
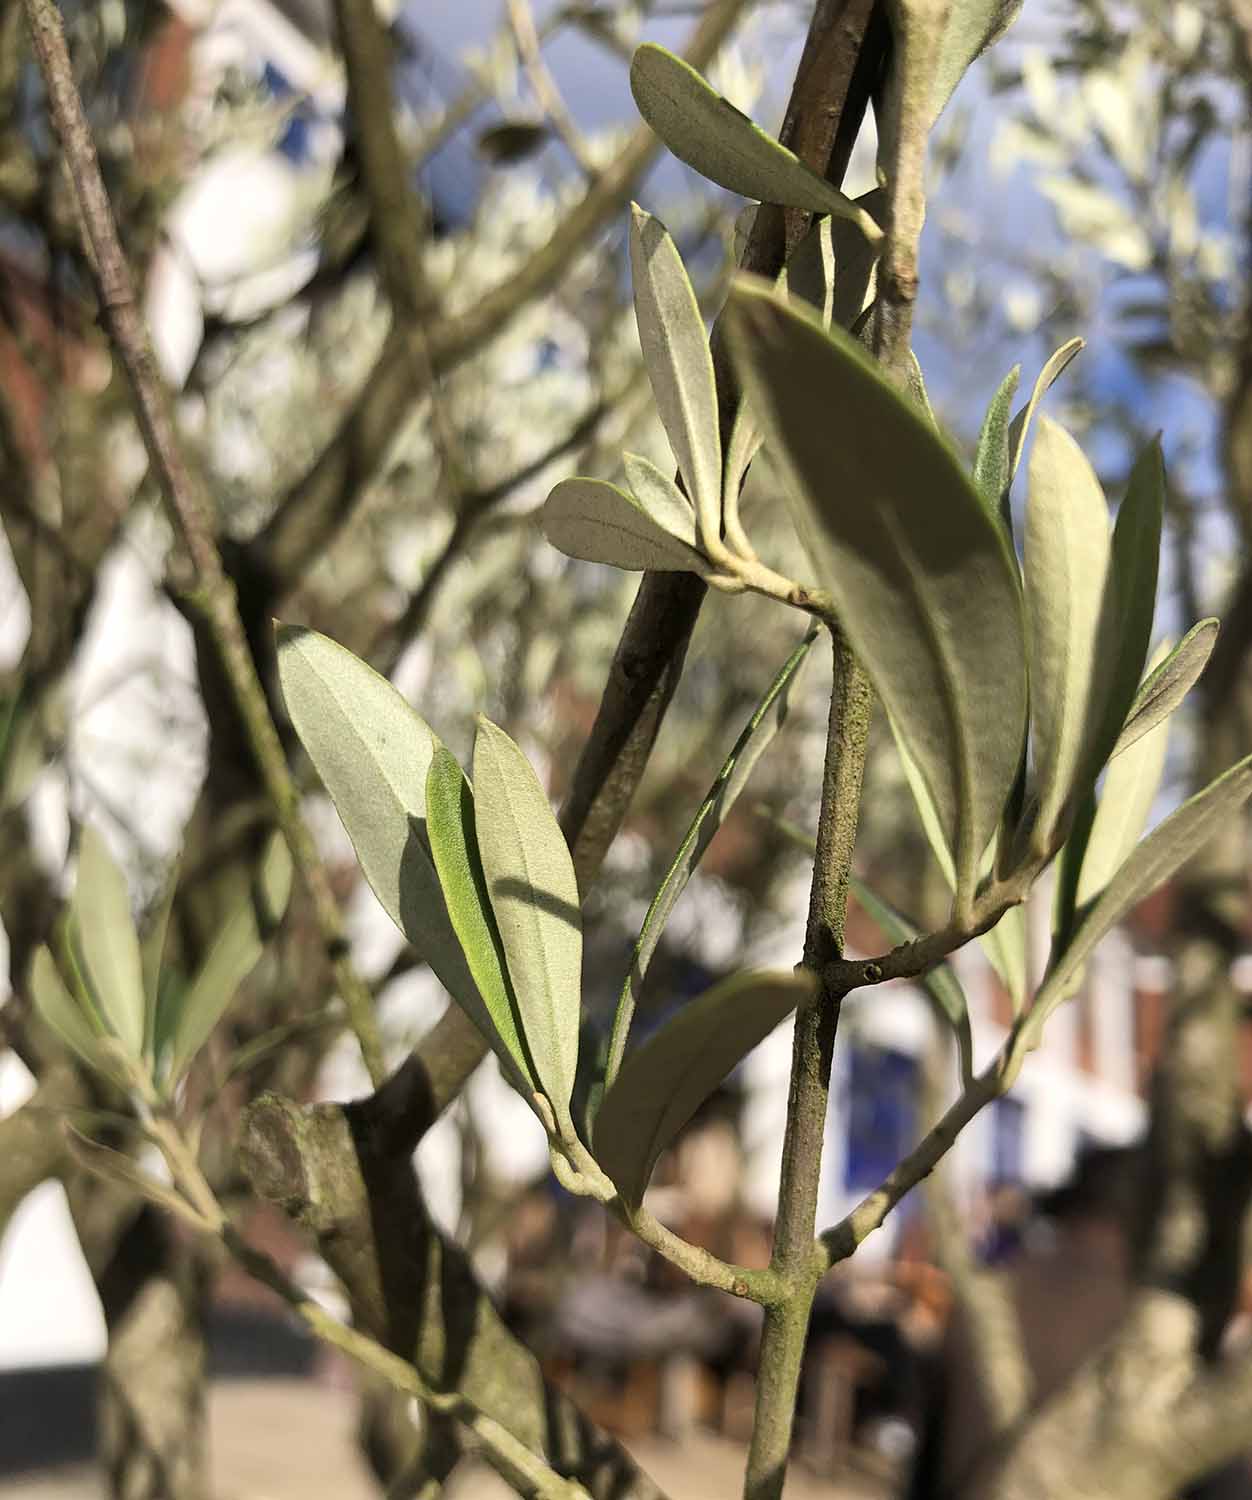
[(372, 752), (1130, 603), (767, 719), (595, 521), (534, 899), (1066, 567), (62, 1013), (940, 984), (151, 954), (454, 847), (657, 494), (810, 271), (1130, 788), (707, 132), (992, 467), (1166, 849), (679, 365), (1019, 428), (742, 447), (1164, 689), (934, 611), (971, 27), (663, 1082), (186, 1020), (107, 943)]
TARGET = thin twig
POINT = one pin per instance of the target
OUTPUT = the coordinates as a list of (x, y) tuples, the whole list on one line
[(543, 85), (208, 590)]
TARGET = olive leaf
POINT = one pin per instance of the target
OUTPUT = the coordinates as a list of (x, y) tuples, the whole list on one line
[(1163, 690), (933, 611), (185, 1019), (663, 1082), (707, 132), (373, 752), (1066, 567), (1019, 428), (679, 365), (664, 502), (1169, 846), (106, 943), (742, 447), (970, 28), (126, 1173), (534, 899), (939, 983), (152, 953), (993, 471), (65, 1016), (1130, 788), (758, 733), (454, 848), (597, 522)]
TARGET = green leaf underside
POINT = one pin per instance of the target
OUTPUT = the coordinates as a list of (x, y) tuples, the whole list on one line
[(934, 612), (107, 942), (1130, 789), (62, 1013), (454, 847), (1163, 690), (1019, 427), (703, 129), (663, 1082), (679, 364), (1066, 568), (657, 494), (971, 27), (534, 899), (940, 983), (757, 735), (992, 467), (1152, 862), (372, 753), (595, 521), (1130, 608)]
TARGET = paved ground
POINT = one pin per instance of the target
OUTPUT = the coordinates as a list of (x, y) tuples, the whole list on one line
[(289, 1440)]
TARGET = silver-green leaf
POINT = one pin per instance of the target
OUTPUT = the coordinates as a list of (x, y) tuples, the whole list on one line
[(705, 130), (1163, 690), (992, 466), (663, 1082), (1066, 567), (971, 27), (454, 848), (1130, 788), (595, 521), (679, 364), (373, 752), (107, 943), (934, 611), (657, 494), (534, 898), (62, 1013), (1019, 428), (1168, 847)]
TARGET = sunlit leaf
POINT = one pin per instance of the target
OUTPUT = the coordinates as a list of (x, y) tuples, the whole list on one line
[(993, 470), (107, 943), (971, 27), (373, 752), (595, 521), (663, 1082), (934, 611), (1130, 789), (454, 847), (1019, 428), (664, 502), (534, 898), (707, 132), (1164, 689), (1066, 566), (679, 365), (1166, 849)]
